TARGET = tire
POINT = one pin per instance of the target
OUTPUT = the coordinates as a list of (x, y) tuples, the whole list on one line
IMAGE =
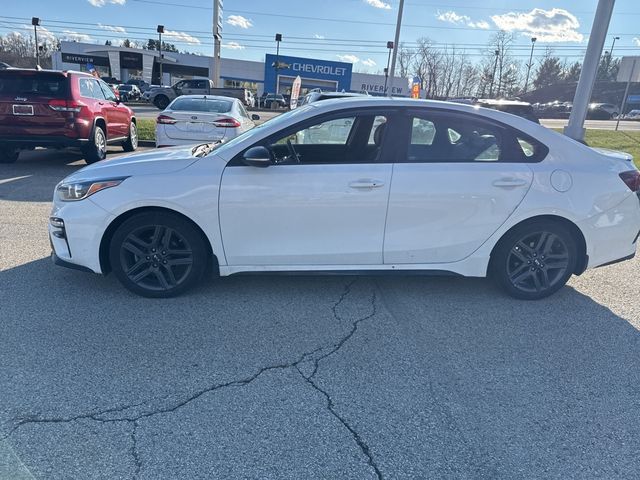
[(161, 102), (97, 148), (158, 255), (8, 154), (534, 260), (131, 143)]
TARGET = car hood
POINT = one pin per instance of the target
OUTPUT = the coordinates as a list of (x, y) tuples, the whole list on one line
[(617, 154), (152, 162)]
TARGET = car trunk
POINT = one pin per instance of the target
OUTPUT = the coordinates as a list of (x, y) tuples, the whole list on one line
[(197, 126), (26, 100)]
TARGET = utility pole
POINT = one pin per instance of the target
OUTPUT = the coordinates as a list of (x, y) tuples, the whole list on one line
[(589, 70), (530, 64), (160, 30), (217, 41), (493, 75), (386, 70), (396, 43), (35, 21)]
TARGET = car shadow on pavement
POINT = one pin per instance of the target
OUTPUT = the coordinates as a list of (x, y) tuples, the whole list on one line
[(446, 370), (33, 177)]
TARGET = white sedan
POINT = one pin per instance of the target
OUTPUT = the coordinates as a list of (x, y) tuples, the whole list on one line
[(422, 186), (190, 119)]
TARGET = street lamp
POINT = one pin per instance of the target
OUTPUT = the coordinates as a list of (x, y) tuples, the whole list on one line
[(493, 75), (613, 44), (35, 21), (277, 64), (160, 31), (530, 64), (386, 70)]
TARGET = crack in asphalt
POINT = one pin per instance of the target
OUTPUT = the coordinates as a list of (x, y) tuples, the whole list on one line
[(99, 416)]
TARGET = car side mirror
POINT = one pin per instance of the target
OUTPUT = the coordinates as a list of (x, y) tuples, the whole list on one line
[(255, 117), (257, 157)]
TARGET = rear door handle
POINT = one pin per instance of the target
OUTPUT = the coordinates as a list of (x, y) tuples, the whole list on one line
[(510, 183), (366, 183)]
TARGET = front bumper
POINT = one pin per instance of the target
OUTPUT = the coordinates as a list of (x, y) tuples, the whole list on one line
[(77, 242)]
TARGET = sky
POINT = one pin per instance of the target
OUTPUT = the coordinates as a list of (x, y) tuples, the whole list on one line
[(354, 31)]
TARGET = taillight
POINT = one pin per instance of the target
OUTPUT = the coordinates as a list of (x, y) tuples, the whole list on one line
[(631, 179), (227, 123), (165, 120), (60, 105)]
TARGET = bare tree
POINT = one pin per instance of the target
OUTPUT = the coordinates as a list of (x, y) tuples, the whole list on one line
[(19, 50)]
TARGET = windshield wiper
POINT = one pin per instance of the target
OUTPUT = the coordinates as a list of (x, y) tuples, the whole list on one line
[(205, 149)]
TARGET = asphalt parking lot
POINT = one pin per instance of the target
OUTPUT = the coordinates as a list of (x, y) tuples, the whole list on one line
[(305, 377)]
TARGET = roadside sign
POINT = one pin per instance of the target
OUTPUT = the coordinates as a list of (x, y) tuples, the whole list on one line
[(633, 99), (415, 88), (295, 92), (627, 72)]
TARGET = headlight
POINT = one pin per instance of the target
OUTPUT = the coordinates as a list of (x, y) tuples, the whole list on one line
[(72, 191)]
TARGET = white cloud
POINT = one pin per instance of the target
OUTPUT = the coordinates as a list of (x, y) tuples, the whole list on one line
[(102, 3), (181, 36), (636, 40), (233, 46), (555, 25), (76, 36), (44, 35), (348, 58), (369, 62), (378, 4), (112, 28), (239, 21), (319, 37), (452, 17)]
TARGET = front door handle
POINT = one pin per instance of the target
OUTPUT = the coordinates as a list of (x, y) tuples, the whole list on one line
[(510, 183), (366, 183)]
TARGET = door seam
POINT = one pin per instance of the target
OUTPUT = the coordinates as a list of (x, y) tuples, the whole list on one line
[(386, 215)]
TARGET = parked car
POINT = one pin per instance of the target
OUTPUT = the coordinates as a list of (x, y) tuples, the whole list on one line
[(48, 108), (273, 98), (318, 95), (474, 192), (602, 111), (633, 115), (142, 85), (129, 93), (515, 107), (191, 119), (162, 96)]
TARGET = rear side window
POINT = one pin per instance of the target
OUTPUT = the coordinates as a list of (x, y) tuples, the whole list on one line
[(89, 88), (33, 83)]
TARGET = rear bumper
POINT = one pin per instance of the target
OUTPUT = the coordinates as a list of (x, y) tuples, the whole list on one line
[(25, 141)]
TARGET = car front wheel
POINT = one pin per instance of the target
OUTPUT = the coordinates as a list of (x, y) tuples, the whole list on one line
[(158, 254), (8, 155), (131, 143), (534, 260)]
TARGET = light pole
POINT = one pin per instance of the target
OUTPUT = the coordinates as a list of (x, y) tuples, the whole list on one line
[(530, 64), (493, 75), (396, 42), (277, 64), (35, 21), (613, 44), (386, 70), (160, 30)]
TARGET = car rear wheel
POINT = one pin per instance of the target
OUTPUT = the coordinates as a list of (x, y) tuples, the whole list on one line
[(158, 254), (534, 260), (8, 155), (97, 148), (132, 140)]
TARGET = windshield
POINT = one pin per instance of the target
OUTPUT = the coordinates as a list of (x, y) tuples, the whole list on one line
[(201, 105), (280, 121)]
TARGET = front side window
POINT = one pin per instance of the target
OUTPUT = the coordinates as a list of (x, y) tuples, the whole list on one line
[(334, 132), (108, 93)]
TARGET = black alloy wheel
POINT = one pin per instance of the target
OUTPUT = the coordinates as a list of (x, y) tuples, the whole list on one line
[(158, 255), (535, 260)]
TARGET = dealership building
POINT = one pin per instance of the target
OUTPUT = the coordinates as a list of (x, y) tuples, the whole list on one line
[(128, 63)]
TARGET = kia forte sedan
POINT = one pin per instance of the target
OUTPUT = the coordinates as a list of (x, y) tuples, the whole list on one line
[(356, 185)]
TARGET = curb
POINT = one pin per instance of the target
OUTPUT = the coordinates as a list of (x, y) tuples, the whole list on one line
[(146, 143)]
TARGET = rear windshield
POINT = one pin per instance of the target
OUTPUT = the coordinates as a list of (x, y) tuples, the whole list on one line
[(201, 105), (36, 83)]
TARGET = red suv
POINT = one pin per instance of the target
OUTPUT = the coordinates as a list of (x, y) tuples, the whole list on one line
[(48, 108)]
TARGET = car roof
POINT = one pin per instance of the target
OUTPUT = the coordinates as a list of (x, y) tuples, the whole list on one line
[(208, 97)]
